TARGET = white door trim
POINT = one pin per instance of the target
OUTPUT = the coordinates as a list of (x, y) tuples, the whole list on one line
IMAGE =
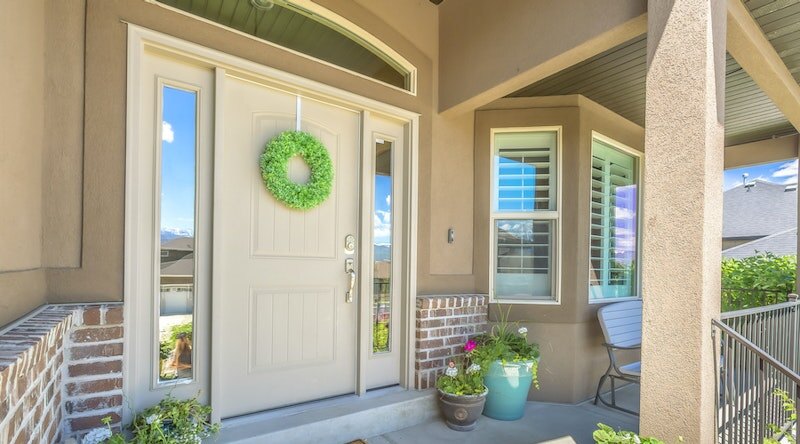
[(141, 39)]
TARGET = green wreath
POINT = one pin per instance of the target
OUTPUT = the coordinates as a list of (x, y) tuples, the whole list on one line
[(274, 163)]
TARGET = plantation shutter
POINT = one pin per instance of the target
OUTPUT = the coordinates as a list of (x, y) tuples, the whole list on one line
[(613, 223), (524, 165)]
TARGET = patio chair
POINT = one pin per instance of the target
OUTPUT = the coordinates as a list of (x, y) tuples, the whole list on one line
[(622, 329)]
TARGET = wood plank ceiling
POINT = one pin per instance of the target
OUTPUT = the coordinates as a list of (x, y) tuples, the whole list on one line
[(616, 80), (297, 30)]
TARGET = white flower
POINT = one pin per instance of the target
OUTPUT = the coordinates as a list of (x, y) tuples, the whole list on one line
[(451, 372), (96, 436), (473, 368), (522, 330), (151, 419)]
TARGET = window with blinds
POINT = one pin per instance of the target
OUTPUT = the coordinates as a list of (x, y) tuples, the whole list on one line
[(524, 214), (613, 248), (523, 164)]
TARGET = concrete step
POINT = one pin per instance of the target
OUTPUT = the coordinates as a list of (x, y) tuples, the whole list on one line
[(338, 420)]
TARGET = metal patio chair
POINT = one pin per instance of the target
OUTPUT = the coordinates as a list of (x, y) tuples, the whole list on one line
[(622, 329)]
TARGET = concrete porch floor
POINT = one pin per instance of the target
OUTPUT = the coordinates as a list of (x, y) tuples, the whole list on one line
[(542, 423)]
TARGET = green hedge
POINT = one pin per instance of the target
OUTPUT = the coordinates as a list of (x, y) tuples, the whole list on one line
[(758, 280)]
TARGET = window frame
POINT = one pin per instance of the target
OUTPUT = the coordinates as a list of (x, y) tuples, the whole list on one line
[(338, 23), (553, 216), (639, 158)]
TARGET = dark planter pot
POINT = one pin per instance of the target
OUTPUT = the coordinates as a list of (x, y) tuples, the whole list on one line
[(508, 385), (461, 412)]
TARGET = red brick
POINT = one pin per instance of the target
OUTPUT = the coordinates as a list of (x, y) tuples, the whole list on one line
[(90, 404), (23, 435), (102, 385), (441, 353), (456, 340), (96, 351), (91, 316), (90, 422), (430, 343), (95, 368), (114, 316), (429, 364), (97, 334), (431, 323)]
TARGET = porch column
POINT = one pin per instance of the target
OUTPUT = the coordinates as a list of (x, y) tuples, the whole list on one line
[(682, 216)]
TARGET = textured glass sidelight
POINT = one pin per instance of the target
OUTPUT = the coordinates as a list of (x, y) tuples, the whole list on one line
[(176, 257), (382, 245)]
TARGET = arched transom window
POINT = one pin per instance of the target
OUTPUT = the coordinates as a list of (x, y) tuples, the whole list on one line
[(305, 27)]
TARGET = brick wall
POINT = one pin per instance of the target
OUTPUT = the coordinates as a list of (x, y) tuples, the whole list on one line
[(444, 323), (60, 372), (93, 370)]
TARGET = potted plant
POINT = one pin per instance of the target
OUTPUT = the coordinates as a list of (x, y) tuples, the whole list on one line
[(512, 365), (461, 391)]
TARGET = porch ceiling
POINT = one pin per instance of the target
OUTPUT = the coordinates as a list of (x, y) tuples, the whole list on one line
[(616, 79)]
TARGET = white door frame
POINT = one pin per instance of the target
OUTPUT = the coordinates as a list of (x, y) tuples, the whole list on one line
[(141, 39)]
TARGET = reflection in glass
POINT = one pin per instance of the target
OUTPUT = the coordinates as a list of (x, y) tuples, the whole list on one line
[(177, 270), (613, 242), (525, 165), (382, 238), (524, 252)]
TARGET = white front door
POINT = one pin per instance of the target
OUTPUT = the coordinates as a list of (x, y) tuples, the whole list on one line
[(288, 333), (231, 294)]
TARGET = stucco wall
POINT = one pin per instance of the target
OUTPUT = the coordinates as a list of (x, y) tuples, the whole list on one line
[(22, 118), (100, 276), (570, 338), (489, 51)]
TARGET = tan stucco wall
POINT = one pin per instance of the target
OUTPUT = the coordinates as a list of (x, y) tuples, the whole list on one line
[(22, 147), (764, 151), (572, 354), (100, 275), (487, 52)]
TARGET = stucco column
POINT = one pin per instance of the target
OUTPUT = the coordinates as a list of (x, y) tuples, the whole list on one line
[(682, 216)]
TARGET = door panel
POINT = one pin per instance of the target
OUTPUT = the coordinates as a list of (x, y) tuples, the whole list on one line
[(288, 334)]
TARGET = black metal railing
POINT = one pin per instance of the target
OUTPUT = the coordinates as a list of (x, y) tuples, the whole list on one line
[(757, 355)]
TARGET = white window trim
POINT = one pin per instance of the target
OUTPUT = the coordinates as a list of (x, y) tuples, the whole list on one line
[(639, 176), (535, 215), (383, 50)]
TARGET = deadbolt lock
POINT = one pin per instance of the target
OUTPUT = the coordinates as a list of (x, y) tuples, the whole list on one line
[(350, 244)]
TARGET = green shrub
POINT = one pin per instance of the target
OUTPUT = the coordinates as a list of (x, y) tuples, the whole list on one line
[(380, 337), (757, 280), (606, 435)]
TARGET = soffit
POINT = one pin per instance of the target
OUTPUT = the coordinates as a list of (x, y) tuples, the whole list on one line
[(780, 21), (616, 80)]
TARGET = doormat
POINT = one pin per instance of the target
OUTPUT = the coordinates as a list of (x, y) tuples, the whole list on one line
[(358, 441)]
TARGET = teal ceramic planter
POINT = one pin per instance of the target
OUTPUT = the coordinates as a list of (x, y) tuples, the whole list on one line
[(508, 385)]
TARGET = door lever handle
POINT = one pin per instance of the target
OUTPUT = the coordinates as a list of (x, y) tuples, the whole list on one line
[(348, 268)]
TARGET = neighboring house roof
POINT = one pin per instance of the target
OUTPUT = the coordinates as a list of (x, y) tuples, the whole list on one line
[(179, 244), (182, 267), (767, 208), (783, 243)]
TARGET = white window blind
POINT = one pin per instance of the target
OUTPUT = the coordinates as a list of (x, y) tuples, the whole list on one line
[(524, 162), (613, 232), (524, 215)]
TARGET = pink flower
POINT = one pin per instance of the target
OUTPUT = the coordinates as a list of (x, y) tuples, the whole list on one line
[(452, 364), (469, 346)]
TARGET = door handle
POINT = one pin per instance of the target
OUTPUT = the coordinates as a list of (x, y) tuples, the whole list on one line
[(348, 268)]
